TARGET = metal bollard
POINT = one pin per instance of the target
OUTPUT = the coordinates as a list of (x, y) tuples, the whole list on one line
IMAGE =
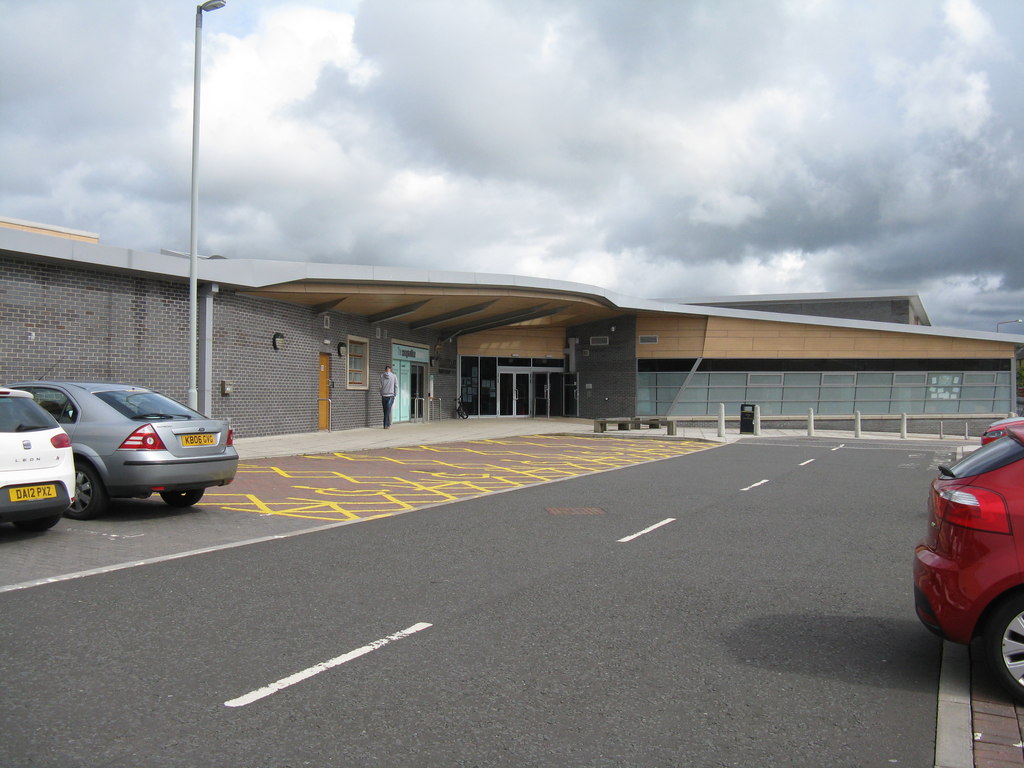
[(941, 436), (810, 422), (757, 419), (721, 419), (903, 426), (856, 423)]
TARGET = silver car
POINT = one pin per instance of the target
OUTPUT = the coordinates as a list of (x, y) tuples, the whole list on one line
[(132, 442)]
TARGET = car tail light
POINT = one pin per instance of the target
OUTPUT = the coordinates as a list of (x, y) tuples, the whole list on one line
[(231, 437), (973, 508), (144, 438), (60, 441)]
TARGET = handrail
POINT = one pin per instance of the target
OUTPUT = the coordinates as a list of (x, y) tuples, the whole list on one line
[(329, 404), (422, 402)]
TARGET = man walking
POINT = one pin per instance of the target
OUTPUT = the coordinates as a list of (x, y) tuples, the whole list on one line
[(388, 390)]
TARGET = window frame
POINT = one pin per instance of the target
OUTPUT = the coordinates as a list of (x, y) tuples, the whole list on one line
[(364, 355)]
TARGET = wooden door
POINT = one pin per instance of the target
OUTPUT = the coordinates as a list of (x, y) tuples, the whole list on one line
[(323, 404)]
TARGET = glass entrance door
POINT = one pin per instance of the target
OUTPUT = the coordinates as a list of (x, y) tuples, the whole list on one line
[(513, 393), (541, 394), (409, 404)]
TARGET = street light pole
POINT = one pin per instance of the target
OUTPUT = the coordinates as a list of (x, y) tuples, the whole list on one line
[(193, 258), (1005, 322)]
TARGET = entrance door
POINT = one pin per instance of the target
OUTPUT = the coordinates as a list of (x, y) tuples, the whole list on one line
[(323, 420), (541, 394), (513, 393), (412, 386)]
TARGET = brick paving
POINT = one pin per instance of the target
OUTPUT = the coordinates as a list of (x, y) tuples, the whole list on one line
[(996, 719)]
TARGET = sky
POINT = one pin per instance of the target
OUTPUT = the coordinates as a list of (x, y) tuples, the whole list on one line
[(653, 148)]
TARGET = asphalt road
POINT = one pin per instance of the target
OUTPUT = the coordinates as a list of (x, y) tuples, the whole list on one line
[(770, 623)]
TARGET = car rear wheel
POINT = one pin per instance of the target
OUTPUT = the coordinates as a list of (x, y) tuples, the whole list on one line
[(90, 496), (39, 524), (1004, 645), (182, 498)]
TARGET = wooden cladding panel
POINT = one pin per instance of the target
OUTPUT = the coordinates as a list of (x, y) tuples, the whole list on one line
[(678, 335), (505, 342), (734, 338)]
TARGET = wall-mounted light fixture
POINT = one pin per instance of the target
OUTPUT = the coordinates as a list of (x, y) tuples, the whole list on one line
[(341, 348), (277, 340)]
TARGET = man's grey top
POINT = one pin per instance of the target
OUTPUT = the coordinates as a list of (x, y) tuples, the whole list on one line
[(388, 384)]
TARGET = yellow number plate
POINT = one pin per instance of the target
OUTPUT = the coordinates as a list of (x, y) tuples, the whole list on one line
[(190, 441), (33, 492)]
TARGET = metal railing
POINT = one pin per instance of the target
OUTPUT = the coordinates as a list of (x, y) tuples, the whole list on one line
[(329, 404)]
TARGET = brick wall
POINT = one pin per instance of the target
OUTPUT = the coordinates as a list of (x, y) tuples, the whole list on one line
[(84, 324), (607, 374), (61, 323)]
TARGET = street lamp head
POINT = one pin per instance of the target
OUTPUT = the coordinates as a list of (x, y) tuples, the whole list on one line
[(212, 5)]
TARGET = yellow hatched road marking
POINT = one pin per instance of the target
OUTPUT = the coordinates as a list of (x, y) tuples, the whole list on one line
[(376, 496)]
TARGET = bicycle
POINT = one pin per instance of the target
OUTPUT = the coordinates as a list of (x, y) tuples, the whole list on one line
[(460, 409)]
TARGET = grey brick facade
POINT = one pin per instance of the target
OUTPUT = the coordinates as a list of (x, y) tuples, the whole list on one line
[(607, 372), (89, 324)]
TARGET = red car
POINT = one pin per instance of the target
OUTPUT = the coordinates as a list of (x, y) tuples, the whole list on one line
[(998, 429), (968, 578)]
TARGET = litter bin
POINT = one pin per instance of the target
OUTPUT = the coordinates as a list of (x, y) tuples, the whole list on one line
[(746, 419)]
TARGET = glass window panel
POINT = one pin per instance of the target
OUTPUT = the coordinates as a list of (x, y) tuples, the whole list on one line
[(874, 378), (1003, 378), (1002, 395), (943, 393), (803, 379), (666, 397), (805, 394), (979, 378), (838, 378), (942, 406), (729, 379), (796, 409), (645, 408), (977, 406), (910, 406), (771, 408), (690, 409), (910, 378), (646, 379), (671, 379), (978, 393), (871, 406), (765, 378), (829, 407), (945, 379), (699, 380), (760, 394), (839, 393), (873, 393), (694, 394), (645, 393), (902, 394), (726, 394)]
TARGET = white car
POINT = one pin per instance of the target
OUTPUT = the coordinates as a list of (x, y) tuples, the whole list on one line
[(37, 469)]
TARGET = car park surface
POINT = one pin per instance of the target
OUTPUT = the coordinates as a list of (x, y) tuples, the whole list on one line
[(745, 632), (37, 476), (130, 441)]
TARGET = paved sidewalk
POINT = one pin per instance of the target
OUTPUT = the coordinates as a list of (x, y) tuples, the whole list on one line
[(455, 430)]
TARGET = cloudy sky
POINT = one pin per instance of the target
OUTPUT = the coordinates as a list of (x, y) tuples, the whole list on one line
[(655, 148)]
